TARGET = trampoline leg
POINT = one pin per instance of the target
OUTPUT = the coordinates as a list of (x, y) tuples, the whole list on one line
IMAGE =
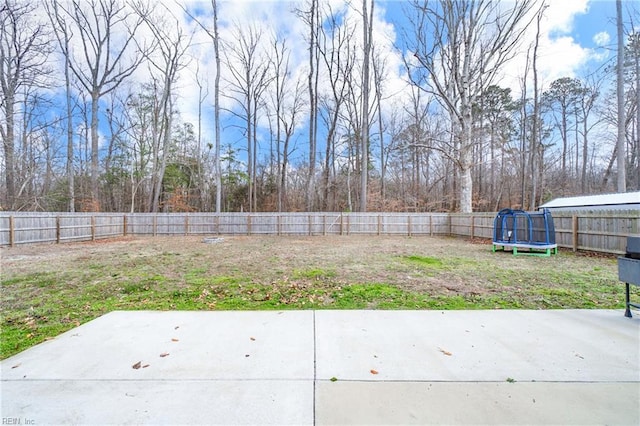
[(627, 312), (515, 250)]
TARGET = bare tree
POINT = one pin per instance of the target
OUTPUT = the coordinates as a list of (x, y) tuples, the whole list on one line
[(621, 141), (106, 60), (249, 79), (63, 36), (165, 61), (24, 48), (215, 38), (459, 49), (286, 102), (367, 27), (379, 64), (536, 157), (336, 53), (311, 17)]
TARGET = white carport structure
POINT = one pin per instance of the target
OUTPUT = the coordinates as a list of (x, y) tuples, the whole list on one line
[(619, 201)]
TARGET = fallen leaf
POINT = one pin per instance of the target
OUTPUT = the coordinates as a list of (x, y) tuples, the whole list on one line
[(174, 340), (163, 354), (374, 371), (246, 356), (137, 365), (252, 339), (447, 353), (145, 366), (334, 379), (17, 365), (176, 327)]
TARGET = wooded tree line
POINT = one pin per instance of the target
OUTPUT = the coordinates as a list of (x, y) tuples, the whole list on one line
[(81, 129)]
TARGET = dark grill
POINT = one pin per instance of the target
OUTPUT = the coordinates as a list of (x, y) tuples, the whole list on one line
[(629, 270)]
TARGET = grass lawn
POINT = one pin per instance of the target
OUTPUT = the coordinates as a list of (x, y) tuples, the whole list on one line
[(48, 289)]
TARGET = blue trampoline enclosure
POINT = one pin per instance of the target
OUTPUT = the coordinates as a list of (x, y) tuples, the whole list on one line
[(518, 229)]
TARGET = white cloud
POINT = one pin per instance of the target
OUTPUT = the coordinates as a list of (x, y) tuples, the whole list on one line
[(602, 38), (559, 52), (560, 14)]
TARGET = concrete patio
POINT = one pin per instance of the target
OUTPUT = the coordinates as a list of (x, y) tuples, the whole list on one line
[(332, 367)]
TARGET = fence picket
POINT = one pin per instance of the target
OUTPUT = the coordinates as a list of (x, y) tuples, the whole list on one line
[(603, 231)]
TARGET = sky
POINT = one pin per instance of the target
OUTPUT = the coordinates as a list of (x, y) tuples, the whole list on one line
[(577, 38)]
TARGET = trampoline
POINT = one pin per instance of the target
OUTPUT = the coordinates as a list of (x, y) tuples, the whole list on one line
[(531, 231)]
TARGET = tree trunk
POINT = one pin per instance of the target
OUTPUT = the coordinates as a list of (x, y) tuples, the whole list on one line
[(95, 197), (70, 170), (313, 102), (621, 158), (364, 172), (215, 38), (9, 152), (536, 161)]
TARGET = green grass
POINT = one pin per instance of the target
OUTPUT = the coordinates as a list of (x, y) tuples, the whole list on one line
[(425, 261)]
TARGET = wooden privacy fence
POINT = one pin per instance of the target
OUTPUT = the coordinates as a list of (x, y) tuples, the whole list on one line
[(597, 231)]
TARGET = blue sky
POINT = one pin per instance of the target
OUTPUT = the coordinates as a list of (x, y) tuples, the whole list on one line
[(569, 47), (577, 38)]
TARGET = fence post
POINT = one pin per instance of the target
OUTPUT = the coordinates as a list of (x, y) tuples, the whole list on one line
[(124, 225), (248, 224), (57, 229), (409, 225), (431, 225), (324, 225), (93, 228), (155, 225), (186, 224), (341, 224), (379, 224), (473, 225), (309, 219), (12, 231), (574, 230)]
